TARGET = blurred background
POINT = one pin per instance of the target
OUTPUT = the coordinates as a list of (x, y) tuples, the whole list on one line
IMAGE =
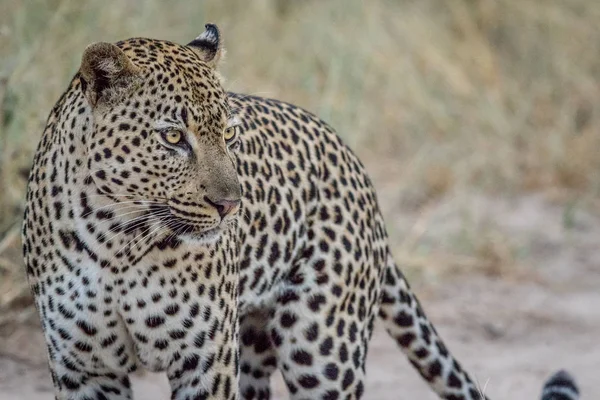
[(479, 121)]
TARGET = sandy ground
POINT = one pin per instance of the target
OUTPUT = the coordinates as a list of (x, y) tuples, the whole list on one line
[(511, 330)]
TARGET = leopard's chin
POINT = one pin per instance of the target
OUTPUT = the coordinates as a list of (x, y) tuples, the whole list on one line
[(198, 236)]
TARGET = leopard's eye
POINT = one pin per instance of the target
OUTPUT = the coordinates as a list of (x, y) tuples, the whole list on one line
[(230, 133), (173, 137)]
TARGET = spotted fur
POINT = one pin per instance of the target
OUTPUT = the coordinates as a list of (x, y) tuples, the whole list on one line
[(136, 257)]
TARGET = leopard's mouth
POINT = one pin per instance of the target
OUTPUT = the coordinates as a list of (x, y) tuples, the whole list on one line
[(186, 228)]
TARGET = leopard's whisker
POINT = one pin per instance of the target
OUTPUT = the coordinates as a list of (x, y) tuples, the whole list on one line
[(124, 204), (144, 210), (137, 222)]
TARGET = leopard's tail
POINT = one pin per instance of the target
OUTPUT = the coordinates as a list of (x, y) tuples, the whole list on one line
[(560, 386), (406, 323)]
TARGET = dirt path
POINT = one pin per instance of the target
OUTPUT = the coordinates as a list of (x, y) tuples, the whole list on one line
[(510, 336), (511, 332)]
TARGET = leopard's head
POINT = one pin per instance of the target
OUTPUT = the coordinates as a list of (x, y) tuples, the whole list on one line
[(162, 132)]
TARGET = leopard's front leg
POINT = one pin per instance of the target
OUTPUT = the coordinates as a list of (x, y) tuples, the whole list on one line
[(206, 364), (182, 317), (208, 368)]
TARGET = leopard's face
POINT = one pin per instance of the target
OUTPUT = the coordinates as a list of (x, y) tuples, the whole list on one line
[(162, 139)]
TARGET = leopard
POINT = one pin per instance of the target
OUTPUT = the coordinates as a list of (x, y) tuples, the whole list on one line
[(132, 184), (216, 237)]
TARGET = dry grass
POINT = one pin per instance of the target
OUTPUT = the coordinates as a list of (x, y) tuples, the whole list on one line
[(492, 95)]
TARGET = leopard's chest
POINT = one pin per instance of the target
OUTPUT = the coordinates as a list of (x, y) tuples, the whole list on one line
[(104, 315)]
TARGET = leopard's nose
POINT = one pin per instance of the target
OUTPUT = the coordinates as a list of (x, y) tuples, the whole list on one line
[(223, 206)]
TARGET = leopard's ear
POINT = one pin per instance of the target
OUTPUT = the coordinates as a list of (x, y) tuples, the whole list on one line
[(209, 45), (105, 72)]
